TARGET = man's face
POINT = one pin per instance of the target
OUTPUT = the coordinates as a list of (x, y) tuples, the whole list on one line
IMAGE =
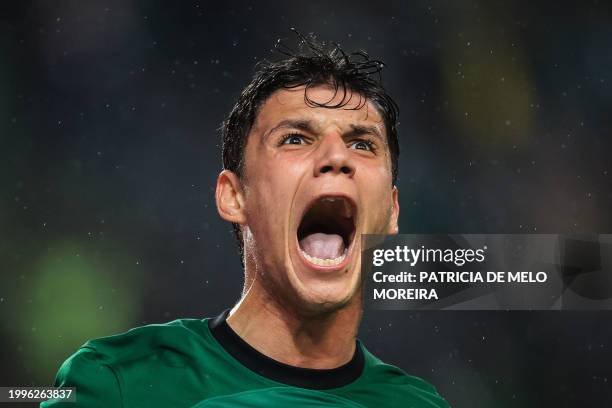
[(315, 180)]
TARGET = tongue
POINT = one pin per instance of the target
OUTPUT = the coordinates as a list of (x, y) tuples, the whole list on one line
[(323, 246)]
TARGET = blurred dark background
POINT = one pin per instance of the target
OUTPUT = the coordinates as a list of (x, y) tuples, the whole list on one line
[(109, 151)]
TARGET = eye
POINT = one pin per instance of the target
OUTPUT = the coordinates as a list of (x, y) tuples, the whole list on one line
[(362, 144), (292, 139)]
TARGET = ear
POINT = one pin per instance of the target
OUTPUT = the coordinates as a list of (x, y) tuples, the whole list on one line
[(395, 209), (230, 198)]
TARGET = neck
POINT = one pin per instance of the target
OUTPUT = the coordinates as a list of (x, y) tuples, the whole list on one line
[(321, 341)]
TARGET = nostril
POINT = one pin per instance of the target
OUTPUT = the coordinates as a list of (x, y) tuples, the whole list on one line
[(330, 169)]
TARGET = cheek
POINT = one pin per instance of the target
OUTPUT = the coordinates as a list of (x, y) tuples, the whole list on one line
[(276, 179), (268, 204), (379, 198)]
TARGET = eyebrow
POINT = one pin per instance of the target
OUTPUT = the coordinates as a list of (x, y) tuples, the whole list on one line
[(309, 126), (301, 124), (358, 130)]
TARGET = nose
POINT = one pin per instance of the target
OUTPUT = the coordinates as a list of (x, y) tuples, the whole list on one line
[(334, 157)]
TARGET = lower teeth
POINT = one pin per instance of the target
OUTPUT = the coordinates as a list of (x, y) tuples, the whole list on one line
[(324, 262)]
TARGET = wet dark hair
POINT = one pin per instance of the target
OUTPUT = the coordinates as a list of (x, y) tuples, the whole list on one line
[(312, 64)]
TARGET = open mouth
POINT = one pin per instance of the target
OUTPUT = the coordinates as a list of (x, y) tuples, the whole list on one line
[(327, 230)]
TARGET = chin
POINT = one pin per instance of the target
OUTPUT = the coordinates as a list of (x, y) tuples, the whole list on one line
[(317, 296), (320, 306)]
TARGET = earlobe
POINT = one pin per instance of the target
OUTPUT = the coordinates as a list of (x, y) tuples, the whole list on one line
[(393, 220), (229, 197)]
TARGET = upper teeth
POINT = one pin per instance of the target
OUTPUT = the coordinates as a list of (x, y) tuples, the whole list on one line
[(347, 209)]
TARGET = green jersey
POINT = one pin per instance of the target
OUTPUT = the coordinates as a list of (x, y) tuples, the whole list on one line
[(196, 363)]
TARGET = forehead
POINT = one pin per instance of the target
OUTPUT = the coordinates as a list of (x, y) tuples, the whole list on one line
[(291, 103)]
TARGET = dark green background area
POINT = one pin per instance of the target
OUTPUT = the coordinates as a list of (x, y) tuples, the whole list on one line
[(109, 151)]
